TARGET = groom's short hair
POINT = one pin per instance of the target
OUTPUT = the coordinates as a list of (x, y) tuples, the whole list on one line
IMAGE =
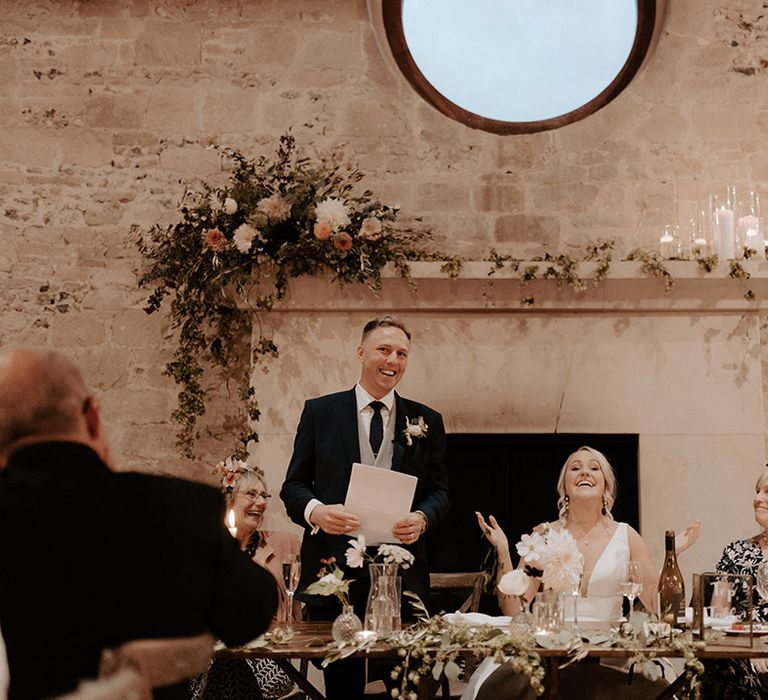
[(383, 322)]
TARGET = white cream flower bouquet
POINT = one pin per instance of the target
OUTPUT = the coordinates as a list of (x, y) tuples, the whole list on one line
[(550, 553), (386, 554)]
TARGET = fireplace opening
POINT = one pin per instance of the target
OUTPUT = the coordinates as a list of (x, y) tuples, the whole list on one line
[(514, 477)]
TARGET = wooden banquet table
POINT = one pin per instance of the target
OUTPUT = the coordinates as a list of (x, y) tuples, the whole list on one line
[(311, 639)]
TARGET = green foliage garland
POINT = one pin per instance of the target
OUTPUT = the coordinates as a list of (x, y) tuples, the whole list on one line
[(236, 247), (240, 244)]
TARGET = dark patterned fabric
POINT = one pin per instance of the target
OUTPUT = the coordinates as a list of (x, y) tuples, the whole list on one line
[(241, 679), (253, 544), (736, 679)]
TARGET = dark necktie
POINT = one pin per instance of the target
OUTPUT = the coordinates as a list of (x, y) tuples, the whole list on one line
[(377, 426)]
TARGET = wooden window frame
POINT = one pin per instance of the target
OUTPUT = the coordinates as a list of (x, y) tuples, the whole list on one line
[(649, 18)]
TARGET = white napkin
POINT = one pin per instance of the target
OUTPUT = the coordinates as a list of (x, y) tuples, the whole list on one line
[(478, 619), (724, 622)]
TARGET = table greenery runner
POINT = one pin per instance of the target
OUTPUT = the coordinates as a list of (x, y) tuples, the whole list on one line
[(434, 646), (236, 247)]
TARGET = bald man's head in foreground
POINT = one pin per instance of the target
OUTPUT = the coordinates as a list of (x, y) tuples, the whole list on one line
[(43, 397)]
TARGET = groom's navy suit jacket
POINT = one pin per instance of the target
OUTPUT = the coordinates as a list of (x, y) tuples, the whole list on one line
[(326, 446)]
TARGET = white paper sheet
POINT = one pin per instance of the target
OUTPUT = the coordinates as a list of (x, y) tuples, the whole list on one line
[(379, 497)]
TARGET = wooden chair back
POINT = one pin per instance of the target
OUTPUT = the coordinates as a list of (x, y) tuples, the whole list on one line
[(160, 662), (472, 583), (125, 684)]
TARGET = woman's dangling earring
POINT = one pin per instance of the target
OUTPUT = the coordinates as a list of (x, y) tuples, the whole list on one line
[(605, 507), (567, 505)]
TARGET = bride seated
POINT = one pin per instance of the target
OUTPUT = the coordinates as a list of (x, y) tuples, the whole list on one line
[(587, 491)]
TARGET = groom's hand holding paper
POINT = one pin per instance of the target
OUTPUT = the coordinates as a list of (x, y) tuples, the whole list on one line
[(380, 498), (334, 519)]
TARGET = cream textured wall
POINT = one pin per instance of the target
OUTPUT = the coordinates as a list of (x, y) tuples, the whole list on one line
[(108, 109)]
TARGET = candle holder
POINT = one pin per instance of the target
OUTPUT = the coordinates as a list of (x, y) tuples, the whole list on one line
[(721, 208), (669, 242), (750, 228), (696, 234)]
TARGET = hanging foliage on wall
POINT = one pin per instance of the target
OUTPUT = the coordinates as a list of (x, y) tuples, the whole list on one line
[(235, 248), (239, 245)]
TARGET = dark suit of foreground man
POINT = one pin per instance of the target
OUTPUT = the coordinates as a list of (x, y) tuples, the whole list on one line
[(334, 432), (90, 558)]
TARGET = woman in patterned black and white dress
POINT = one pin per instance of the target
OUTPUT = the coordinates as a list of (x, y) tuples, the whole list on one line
[(252, 679), (742, 679)]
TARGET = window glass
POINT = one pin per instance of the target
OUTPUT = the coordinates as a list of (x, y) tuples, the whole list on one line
[(518, 60)]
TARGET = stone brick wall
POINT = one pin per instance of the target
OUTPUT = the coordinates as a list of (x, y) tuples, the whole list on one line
[(108, 109)]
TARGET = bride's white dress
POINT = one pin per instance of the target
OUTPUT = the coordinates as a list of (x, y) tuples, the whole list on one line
[(602, 603)]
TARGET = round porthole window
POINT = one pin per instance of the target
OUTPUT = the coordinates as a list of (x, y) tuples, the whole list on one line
[(519, 66)]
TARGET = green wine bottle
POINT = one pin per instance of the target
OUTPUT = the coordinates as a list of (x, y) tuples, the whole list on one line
[(671, 586)]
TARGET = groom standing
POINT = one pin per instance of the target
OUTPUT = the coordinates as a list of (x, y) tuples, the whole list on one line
[(364, 424)]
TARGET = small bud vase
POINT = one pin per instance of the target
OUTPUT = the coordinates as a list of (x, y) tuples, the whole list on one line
[(345, 626), (523, 620)]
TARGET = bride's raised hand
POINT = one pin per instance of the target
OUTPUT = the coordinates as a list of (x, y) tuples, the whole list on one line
[(493, 533), (688, 537)]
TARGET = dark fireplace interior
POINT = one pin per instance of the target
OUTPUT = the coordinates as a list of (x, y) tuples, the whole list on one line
[(514, 477)]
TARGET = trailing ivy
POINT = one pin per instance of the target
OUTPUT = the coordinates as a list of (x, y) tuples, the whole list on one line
[(235, 249)]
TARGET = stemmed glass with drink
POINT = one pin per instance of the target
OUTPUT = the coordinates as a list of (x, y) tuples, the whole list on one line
[(631, 584), (762, 580), (574, 594), (291, 576)]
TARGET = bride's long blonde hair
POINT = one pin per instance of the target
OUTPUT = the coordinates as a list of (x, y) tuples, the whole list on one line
[(609, 496)]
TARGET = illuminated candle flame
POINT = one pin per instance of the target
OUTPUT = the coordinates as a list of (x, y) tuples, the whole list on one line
[(231, 523)]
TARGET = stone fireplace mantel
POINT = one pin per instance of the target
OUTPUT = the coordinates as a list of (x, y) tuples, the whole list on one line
[(682, 369), (480, 287)]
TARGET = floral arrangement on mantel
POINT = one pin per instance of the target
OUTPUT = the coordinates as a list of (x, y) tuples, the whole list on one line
[(239, 245)]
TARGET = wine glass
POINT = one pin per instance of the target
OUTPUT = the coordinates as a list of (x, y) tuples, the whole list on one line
[(631, 584), (762, 580), (574, 594), (291, 576)]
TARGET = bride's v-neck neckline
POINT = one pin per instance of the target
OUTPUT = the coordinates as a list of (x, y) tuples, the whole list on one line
[(585, 585)]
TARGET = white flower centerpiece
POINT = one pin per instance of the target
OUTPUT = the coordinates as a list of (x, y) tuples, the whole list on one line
[(331, 581), (382, 611), (385, 554), (550, 554)]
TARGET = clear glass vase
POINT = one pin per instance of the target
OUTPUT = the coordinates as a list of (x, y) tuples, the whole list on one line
[(346, 625), (548, 612), (523, 619), (382, 611)]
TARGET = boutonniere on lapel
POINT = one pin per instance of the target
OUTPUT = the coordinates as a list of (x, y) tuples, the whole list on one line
[(415, 428)]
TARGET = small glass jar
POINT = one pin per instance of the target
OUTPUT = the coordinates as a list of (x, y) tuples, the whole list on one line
[(346, 625), (669, 243), (548, 613)]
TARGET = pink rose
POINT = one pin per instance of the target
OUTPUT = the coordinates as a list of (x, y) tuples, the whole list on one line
[(322, 231), (371, 230), (214, 239), (342, 241)]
